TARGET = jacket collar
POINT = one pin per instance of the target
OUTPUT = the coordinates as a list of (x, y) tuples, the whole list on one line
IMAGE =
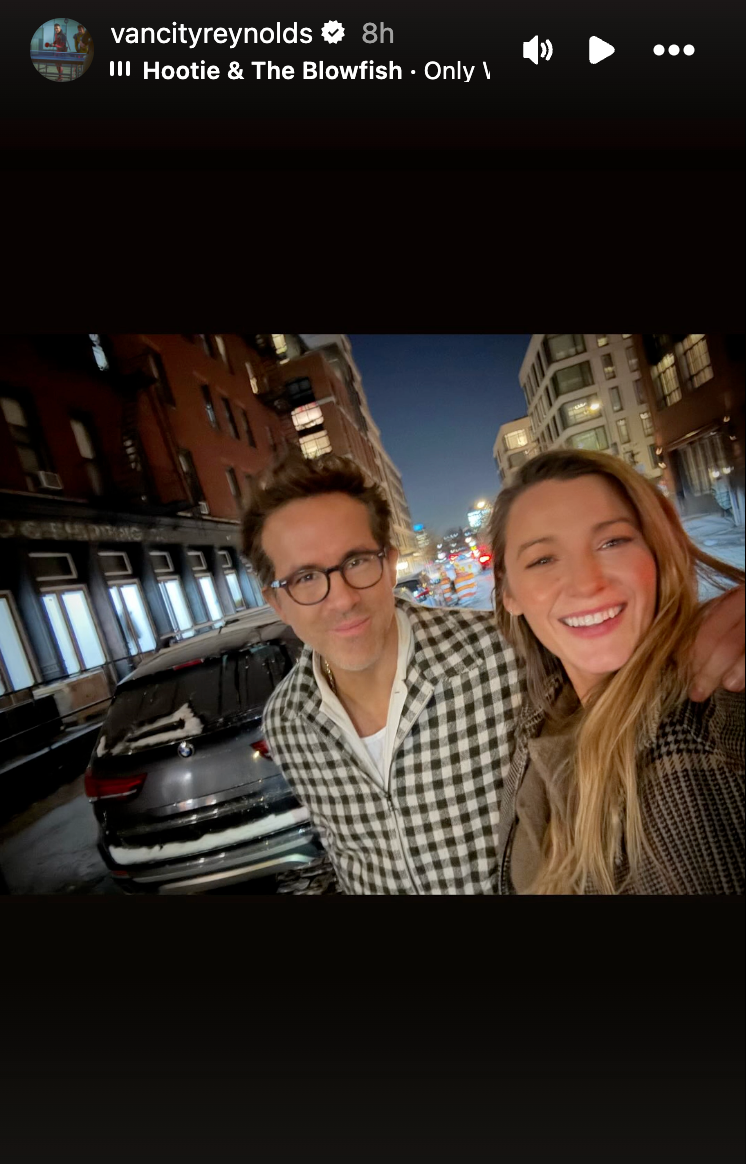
[(444, 646)]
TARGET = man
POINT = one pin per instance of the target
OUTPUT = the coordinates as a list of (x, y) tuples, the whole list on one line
[(60, 45), (395, 728)]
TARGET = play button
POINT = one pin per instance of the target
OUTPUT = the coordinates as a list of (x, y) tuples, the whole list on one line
[(599, 50)]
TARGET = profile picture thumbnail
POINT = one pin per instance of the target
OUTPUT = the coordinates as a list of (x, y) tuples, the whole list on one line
[(62, 49)]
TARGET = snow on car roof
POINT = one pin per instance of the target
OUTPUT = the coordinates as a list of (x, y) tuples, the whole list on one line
[(253, 626)]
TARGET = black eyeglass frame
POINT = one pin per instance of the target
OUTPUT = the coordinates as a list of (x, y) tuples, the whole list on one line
[(283, 583)]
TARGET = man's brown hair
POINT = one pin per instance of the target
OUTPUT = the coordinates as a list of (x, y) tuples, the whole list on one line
[(292, 478)]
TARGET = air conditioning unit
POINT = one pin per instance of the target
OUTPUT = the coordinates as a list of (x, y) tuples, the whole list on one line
[(49, 480), (204, 507)]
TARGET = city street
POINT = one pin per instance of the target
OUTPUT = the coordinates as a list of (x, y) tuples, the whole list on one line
[(51, 847)]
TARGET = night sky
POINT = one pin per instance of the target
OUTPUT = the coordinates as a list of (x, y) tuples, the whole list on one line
[(439, 401)]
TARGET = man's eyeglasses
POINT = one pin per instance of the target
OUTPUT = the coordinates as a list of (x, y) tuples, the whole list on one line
[(307, 587)]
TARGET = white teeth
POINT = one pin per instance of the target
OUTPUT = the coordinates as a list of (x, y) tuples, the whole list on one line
[(593, 619)]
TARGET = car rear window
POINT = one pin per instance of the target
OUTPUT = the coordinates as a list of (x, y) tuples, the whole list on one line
[(192, 699)]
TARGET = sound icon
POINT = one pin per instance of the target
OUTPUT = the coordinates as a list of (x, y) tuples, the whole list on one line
[(531, 50)]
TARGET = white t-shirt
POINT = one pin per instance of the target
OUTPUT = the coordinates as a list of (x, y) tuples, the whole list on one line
[(374, 752)]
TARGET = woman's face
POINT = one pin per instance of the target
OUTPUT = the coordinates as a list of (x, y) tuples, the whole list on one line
[(579, 571)]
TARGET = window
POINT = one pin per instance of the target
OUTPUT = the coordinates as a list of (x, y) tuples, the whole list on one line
[(623, 428), (515, 459), (647, 423), (158, 371), (233, 483), (602, 340), (315, 445), (238, 599), (246, 427), (308, 416), (222, 351), (82, 431), (561, 347), (695, 357), (204, 343), (207, 398), (225, 559), (133, 618), (114, 563), (594, 438), (207, 586), (517, 439), (197, 559), (161, 561), (229, 417), (640, 392), (15, 664), (654, 457), (176, 607), (666, 381), (299, 392), (279, 343), (252, 378), (27, 438), (616, 399), (576, 411), (190, 473), (627, 336), (632, 361), (52, 567), (99, 354), (607, 362), (271, 438), (572, 378), (540, 362), (74, 630)]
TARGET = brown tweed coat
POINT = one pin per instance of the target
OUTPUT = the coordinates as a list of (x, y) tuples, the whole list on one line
[(691, 782)]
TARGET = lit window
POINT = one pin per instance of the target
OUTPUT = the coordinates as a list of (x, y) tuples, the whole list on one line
[(74, 630), (517, 439), (594, 438), (176, 607), (640, 392), (86, 448), (209, 409), (207, 586), (315, 445), (561, 347), (252, 378), (616, 399), (623, 428), (15, 666), (695, 355), (666, 381), (133, 618), (577, 411), (229, 417), (608, 365), (632, 361), (602, 340), (238, 599), (222, 351), (99, 354), (279, 343), (233, 482), (647, 423), (308, 416)]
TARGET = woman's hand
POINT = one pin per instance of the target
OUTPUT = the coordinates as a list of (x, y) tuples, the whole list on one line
[(718, 652)]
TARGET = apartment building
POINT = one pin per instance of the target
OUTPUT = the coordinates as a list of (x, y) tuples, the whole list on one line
[(514, 444), (586, 391)]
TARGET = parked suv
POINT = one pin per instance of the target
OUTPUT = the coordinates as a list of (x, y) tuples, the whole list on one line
[(184, 789)]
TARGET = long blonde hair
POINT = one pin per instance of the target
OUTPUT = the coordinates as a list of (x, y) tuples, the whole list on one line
[(625, 709)]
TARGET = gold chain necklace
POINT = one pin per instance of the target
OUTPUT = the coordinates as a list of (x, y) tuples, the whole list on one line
[(330, 677)]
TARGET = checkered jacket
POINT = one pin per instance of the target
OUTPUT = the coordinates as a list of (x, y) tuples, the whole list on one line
[(435, 831), (691, 786)]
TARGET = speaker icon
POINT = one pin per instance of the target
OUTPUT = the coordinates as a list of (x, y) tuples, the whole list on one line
[(531, 50)]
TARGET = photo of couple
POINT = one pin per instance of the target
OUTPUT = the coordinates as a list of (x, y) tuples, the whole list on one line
[(585, 738)]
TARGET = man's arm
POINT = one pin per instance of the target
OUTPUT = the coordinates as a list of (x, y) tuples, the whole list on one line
[(718, 654)]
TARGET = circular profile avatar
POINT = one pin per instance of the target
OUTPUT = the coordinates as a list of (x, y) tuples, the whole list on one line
[(61, 50)]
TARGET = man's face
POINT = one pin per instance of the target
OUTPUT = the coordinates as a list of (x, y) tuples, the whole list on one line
[(57, 28), (349, 628)]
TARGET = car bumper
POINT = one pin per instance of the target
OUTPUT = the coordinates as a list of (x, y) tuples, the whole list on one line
[(288, 849)]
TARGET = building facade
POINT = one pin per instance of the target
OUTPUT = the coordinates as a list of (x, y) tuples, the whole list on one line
[(123, 462), (695, 390), (586, 391), (514, 444)]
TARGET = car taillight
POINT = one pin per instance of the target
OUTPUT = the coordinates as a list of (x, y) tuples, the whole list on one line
[(112, 787), (485, 558), (262, 748)]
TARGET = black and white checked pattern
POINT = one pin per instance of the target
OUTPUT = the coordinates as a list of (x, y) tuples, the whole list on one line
[(436, 830), (691, 785)]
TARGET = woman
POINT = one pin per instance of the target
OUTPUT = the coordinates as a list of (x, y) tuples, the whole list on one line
[(619, 783)]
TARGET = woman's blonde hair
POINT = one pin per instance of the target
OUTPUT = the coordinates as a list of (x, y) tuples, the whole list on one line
[(624, 710)]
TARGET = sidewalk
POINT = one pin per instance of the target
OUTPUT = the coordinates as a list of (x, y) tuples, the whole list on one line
[(718, 536)]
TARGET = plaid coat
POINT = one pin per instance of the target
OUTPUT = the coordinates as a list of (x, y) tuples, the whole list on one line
[(691, 786), (435, 831)]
